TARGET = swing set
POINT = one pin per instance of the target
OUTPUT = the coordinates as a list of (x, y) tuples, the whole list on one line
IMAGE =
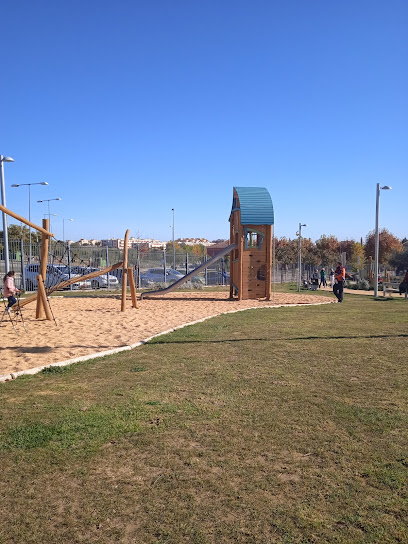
[(42, 296)]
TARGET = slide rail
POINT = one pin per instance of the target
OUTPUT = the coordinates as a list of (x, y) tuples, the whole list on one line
[(191, 274)]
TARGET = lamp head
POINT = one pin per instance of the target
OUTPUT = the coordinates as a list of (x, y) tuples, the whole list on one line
[(57, 198), (386, 187), (15, 185), (7, 159), (43, 183)]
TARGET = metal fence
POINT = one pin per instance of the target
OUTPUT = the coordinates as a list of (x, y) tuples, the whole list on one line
[(72, 256)]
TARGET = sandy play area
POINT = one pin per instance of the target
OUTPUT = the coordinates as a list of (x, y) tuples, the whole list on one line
[(91, 325)]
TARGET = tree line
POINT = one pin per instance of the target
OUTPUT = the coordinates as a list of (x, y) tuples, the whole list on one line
[(327, 250)]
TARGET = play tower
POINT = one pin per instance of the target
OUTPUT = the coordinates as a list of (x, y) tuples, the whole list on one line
[(251, 226)]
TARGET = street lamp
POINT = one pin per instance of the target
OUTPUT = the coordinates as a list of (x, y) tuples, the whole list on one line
[(48, 200), (63, 229), (377, 236), (174, 245), (299, 233), (29, 207), (3, 201)]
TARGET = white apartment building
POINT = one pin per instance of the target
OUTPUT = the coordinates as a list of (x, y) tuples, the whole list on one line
[(119, 243), (193, 241)]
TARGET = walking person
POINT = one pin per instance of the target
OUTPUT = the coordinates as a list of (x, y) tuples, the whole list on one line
[(323, 278), (10, 289), (339, 278)]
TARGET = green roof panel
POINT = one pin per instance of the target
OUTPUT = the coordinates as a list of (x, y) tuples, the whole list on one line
[(256, 206)]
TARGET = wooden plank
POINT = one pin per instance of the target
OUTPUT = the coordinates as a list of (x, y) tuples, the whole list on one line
[(67, 283)]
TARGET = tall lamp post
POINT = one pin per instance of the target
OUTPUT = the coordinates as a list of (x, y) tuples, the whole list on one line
[(63, 228), (3, 201), (377, 235), (29, 208), (48, 200), (299, 233), (174, 245)]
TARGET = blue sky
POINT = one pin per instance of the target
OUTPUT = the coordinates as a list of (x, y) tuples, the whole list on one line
[(129, 109)]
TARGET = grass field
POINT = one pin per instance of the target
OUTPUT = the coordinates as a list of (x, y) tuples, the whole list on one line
[(272, 425)]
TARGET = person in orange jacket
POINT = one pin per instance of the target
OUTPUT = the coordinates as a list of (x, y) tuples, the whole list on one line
[(339, 279)]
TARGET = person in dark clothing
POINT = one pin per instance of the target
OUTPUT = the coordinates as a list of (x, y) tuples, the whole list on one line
[(403, 286), (339, 278), (323, 278)]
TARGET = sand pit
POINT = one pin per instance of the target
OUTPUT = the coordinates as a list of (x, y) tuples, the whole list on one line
[(91, 325)]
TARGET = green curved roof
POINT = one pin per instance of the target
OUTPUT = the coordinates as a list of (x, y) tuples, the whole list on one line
[(256, 206)]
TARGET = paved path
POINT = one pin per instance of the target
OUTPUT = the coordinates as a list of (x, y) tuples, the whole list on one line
[(352, 291)]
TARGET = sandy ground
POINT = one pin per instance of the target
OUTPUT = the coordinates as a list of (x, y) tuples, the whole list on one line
[(91, 325)]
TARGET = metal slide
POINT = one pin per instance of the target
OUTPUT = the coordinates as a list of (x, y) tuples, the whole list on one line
[(191, 274)]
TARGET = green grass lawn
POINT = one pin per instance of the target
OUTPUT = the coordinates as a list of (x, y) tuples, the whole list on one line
[(272, 425)]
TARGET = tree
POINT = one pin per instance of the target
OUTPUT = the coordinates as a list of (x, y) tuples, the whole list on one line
[(309, 254), (400, 261), (356, 252), (286, 250), (388, 244), (328, 250), (20, 231)]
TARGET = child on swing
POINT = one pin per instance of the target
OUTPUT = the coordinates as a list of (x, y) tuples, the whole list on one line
[(10, 289)]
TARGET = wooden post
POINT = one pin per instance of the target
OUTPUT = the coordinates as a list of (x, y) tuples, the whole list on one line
[(231, 256), (241, 264), (124, 271), (43, 267), (268, 264), (42, 295), (132, 287)]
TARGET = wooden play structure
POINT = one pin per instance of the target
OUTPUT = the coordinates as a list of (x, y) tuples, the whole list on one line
[(250, 250), (41, 297), (251, 230)]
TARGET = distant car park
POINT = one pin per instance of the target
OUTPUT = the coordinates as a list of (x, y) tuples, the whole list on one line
[(55, 274), (156, 275), (98, 282)]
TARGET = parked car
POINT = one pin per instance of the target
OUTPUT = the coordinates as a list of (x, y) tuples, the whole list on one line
[(55, 274), (156, 275), (144, 281), (99, 281)]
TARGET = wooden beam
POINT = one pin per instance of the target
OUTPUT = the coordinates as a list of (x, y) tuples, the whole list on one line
[(132, 287), (241, 264), (42, 295), (25, 221), (268, 264), (124, 271), (67, 283), (45, 239)]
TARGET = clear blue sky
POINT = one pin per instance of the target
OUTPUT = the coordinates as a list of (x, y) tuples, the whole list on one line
[(130, 108)]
